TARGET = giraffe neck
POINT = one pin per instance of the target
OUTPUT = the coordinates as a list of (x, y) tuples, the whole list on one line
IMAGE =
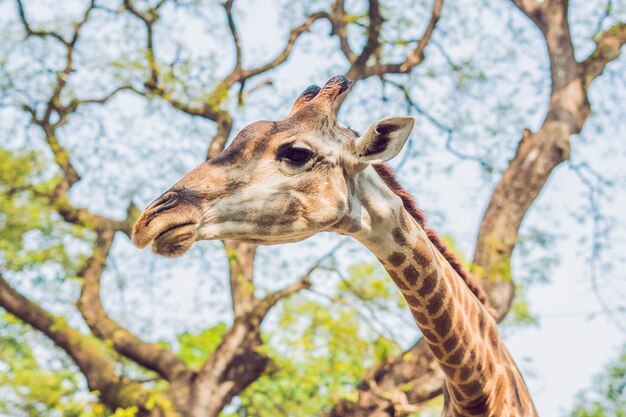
[(457, 327)]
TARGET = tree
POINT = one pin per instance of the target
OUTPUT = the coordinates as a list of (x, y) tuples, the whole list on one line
[(607, 396), (59, 75)]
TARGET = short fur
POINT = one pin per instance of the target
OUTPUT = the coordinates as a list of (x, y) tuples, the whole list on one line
[(410, 205)]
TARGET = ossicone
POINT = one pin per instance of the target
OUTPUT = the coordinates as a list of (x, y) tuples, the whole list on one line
[(305, 97), (333, 88), (323, 98)]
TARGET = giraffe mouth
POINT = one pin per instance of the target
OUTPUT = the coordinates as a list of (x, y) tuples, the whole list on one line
[(169, 224), (175, 240)]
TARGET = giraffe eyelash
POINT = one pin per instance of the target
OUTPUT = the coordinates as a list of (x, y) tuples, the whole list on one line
[(293, 155), (354, 131)]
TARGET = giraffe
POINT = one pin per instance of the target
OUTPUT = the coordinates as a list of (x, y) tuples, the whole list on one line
[(283, 181)]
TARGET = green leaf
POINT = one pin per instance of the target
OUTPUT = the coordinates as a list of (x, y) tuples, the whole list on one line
[(607, 396), (195, 348)]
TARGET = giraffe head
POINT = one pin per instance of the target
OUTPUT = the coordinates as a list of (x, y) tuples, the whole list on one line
[(277, 182)]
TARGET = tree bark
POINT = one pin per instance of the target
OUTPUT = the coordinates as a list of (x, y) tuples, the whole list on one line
[(115, 391)]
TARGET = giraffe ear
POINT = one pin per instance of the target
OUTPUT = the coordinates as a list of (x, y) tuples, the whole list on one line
[(384, 139)]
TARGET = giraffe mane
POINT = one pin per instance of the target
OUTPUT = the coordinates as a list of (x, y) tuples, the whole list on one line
[(410, 205)]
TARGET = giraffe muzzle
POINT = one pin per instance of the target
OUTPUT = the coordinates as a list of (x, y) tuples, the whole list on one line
[(169, 223)]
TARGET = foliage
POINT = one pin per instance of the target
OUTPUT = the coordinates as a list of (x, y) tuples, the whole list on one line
[(195, 348), (33, 235), (607, 397), (320, 354), (520, 313), (536, 250), (33, 382)]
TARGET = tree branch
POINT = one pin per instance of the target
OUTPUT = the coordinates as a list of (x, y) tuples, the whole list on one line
[(148, 21), (338, 21), (209, 110), (608, 48), (74, 104), (149, 355), (532, 9), (85, 218), (224, 125), (39, 32), (373, 34), (302, 283), (236, 362), (416, 56), (596, 185), (63, 76), (294, 35), (241, 272), (57, 198), (114, 391), (228, 7), (234, 365)]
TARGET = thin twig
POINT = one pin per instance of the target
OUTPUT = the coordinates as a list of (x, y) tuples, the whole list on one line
[(583, 171)]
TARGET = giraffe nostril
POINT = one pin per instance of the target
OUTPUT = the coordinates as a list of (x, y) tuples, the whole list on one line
[(165, 202)]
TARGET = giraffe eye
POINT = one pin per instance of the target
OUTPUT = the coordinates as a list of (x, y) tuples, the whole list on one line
[(294, 156)]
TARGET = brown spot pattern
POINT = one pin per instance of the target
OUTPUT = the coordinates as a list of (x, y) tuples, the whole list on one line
[(455, 393), (387, 175), (411, 275), (434, 304), (429, 335), (411, 300), (478, 406), (396, 258), (456, 356), (398, 236), (419, 317), (465, 373), (398, 281), (471, 389), (443, 324), (428, 284), (421, 258), (450, 343), (449, 370), (437, 351)]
